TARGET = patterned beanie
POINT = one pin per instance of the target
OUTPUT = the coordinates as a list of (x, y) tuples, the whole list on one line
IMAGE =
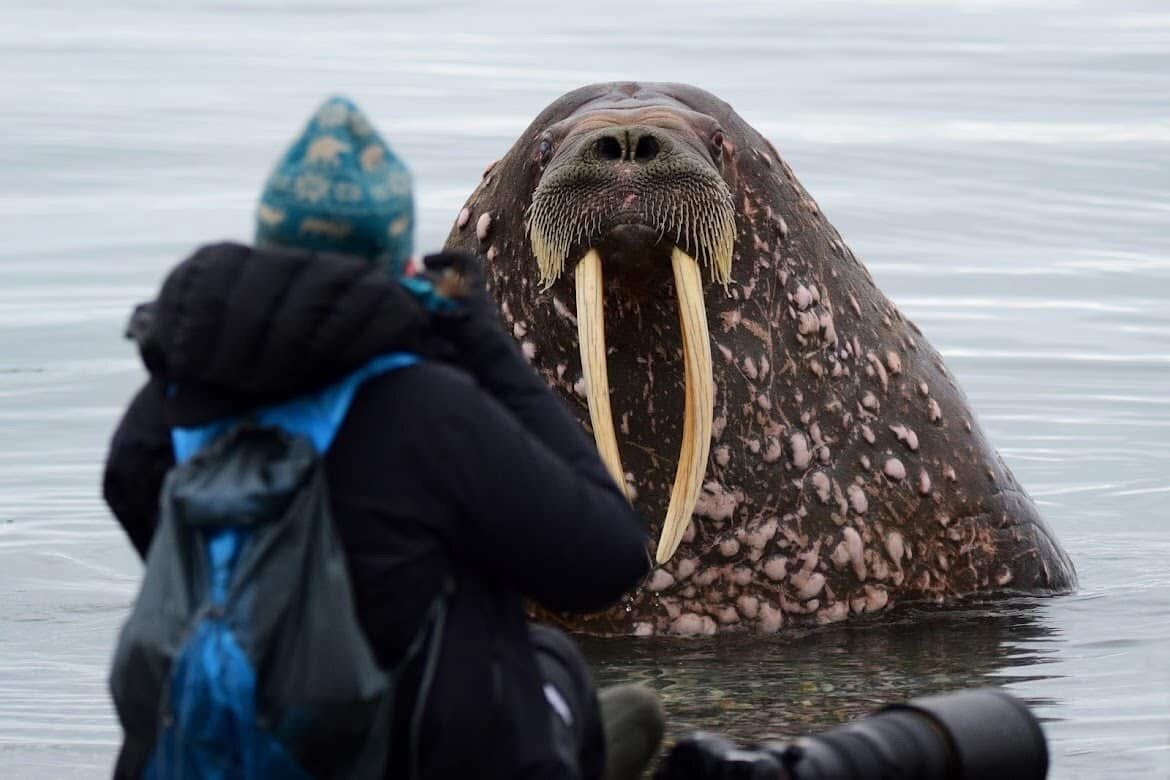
[(340, 188)]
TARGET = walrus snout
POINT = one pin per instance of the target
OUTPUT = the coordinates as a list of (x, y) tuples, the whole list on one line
[(608, 174), (631, 145)]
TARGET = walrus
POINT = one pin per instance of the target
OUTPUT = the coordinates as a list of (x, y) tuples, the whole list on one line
[(800, 451)]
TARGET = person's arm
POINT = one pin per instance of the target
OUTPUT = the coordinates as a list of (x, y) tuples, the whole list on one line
[(543, 515), (139, 458), (531, 479), (490, 355)]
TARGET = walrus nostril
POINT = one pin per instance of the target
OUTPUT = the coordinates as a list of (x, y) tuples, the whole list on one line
[(647, 148), (609, 148)]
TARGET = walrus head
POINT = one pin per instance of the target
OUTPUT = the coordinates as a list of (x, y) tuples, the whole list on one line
[(823, 460), (641, 186), (630, 186)]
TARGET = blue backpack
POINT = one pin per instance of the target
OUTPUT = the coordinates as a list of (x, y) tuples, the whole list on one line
[(243, 656)]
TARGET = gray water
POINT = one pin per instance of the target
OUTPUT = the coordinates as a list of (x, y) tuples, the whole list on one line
[(1001, 166)]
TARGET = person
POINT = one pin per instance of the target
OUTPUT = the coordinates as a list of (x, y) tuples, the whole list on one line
[(463, 468)]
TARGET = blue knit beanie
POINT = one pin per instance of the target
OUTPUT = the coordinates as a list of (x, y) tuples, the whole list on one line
[(340, 188)]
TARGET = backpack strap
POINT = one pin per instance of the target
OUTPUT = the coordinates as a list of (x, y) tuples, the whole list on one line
[(426, 647), (316, 416)]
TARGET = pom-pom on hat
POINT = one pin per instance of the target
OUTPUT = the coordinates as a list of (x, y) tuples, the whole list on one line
[(340, 188)]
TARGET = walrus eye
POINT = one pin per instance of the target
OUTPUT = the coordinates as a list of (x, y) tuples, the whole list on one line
[(544, 152), (717, 145)]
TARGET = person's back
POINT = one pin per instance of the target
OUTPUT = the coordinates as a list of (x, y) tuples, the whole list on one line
[(450, 502), (438, 476)]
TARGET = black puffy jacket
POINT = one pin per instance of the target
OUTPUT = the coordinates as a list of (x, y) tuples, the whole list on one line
[(434, 473)]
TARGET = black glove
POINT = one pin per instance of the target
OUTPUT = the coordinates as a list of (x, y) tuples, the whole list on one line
[(479, 343), (459, 277)]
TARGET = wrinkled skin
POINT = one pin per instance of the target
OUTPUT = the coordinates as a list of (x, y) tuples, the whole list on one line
[(847, 472)]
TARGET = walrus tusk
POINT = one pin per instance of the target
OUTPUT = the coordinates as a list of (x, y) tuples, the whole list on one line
[(699, 409), (591, 336)]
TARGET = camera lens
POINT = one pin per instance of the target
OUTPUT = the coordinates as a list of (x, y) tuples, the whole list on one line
[(958, 736)]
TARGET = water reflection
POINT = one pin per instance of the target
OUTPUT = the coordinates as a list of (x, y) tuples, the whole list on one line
[(754, 688)]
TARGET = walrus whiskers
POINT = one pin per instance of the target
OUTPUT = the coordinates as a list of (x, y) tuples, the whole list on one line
[(706, 226)]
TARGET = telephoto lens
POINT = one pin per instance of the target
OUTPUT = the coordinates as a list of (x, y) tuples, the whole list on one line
[(965, 735)]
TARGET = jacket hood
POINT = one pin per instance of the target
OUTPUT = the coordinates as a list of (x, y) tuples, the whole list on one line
[(235, 327)]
